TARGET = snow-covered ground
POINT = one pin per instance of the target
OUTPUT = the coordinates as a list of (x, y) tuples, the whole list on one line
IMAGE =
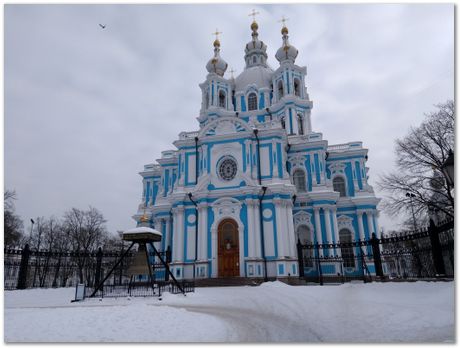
[(272, 312)]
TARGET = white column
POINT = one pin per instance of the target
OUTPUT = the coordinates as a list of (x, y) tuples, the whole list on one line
[(178, 251), (280, 231), (370, 223), (360, 225), (319, 236), (291, 232), (257, 239), (202, 231), (168, 232), (336, 230), (376, 219), (327, 217), (175, 241), (251, 229)]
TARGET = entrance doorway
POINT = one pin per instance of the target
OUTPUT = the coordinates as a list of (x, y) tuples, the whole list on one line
[(229, 249)]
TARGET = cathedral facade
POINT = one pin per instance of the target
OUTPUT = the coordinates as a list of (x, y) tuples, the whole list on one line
[(234, 197)]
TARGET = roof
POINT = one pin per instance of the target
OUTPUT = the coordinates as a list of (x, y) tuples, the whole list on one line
[(144, 234)]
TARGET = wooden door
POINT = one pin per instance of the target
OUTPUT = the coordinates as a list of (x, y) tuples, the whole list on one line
[(229, 250)]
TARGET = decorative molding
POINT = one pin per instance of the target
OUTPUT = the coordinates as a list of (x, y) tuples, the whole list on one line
[(303, 218), (344, 221)]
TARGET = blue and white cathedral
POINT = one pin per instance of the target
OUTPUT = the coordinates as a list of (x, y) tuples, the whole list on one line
[(233, 198)]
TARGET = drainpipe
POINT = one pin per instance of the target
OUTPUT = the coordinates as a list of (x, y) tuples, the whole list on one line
[(262, 239), (259, 176), (268, 110), (196, 231), (196, 160), (287, 152)]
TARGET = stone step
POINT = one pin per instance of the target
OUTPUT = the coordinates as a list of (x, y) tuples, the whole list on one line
[(234, 281)]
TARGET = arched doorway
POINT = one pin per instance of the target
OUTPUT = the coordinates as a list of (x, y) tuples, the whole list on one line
[(228, 249)]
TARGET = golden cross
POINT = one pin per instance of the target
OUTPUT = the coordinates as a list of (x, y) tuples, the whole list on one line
[(217, 33), (253, 14), (283, 20)]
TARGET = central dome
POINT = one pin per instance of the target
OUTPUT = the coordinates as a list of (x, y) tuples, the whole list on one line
[(259, 75)]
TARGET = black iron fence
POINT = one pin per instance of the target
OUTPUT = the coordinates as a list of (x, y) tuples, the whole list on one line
[(26, 268), (427, 253)]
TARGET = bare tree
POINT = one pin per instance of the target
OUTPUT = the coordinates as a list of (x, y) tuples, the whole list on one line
[(86, 231), (419, 181), (13, 225)]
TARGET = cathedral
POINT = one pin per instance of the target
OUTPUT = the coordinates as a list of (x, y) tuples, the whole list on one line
[(234, 197)]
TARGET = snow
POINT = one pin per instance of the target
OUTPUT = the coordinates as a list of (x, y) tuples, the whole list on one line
[(142, 229), (142, 233), (272, 312)]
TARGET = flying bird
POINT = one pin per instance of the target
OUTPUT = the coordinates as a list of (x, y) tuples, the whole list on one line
[(102, 26)]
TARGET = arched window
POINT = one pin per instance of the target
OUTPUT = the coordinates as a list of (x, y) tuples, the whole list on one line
[(222, 99), (299, 180), (252, 102), (254, 59), (297, 87), (300, 123), (338, 184), (304, 237), (283, 122), (280, 90), (347, 251)]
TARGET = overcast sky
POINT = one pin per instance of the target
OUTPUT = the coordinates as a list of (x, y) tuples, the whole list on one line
[(86, 108)]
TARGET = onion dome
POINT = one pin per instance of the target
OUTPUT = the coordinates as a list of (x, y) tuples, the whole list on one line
[(256, 50), (287, 52), (216, 64)]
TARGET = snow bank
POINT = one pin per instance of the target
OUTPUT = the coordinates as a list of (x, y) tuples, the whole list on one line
[(272, 312)]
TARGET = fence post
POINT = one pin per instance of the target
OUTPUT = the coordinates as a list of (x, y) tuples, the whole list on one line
[(168, 261), (22, 278), (320, 271), (300, 259), (97, 278), (377, 256), (436, 249)]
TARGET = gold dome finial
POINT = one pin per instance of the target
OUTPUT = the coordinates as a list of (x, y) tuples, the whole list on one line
[(254, 25), (216, 41), (284, 29), (144, 217)]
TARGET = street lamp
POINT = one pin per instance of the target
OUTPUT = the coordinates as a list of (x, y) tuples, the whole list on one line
[(31, 228), (448, 168), (410, 196)]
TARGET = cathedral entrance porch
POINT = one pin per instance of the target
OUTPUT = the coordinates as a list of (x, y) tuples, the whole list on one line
[(228, 249)]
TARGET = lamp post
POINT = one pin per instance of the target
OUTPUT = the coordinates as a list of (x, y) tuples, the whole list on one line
[(31, 228), (410, 196)]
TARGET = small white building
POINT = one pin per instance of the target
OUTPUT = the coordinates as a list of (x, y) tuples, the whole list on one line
[(261, 179)]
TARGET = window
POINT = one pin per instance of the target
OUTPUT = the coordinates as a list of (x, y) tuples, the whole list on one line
[(280, 89), (304, 237), (254, 59), (228, 168), (347, 251), (300, 123), (297, 87), (339, 186), (222, 99), (252, 102), (299, 180), (283, 122)]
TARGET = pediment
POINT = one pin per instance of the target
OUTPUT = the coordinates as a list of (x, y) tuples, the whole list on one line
[(225, 125)]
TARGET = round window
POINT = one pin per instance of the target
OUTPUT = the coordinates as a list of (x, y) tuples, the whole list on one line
[(228, 168)]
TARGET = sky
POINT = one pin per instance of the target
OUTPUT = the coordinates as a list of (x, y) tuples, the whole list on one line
[(85, 107)]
